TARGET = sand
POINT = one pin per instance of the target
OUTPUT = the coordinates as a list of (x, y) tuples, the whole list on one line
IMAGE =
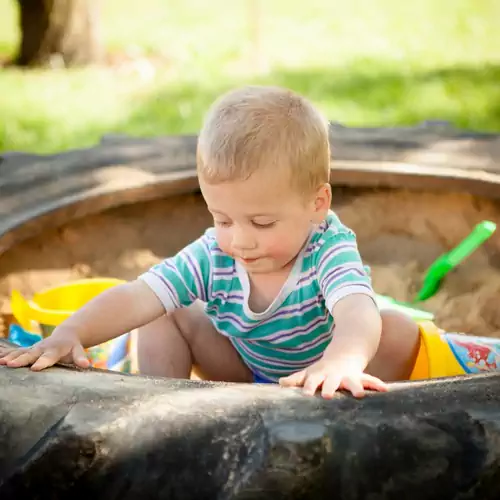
[(399, 233)]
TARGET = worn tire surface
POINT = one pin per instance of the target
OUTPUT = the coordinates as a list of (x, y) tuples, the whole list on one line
[(66, 433)]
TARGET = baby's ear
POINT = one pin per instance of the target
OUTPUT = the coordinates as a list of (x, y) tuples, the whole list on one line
[(322, 202)]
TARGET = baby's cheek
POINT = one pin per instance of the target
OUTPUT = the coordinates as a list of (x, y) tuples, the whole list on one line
[(281, 245), (223, 240), (293, 242)]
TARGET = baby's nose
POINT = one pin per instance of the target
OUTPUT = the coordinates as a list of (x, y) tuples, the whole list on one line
[(243, 240)]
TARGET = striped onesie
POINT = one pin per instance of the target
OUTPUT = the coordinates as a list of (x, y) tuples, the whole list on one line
[(296, 328)]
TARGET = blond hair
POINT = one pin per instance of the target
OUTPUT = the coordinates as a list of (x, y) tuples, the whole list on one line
[(258, 127)]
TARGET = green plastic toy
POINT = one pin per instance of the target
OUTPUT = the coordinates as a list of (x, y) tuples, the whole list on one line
[(438, 270), (448, 261), (384, 301)]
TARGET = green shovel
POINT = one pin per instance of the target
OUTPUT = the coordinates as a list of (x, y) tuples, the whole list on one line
[(438, 270), (448, 261)]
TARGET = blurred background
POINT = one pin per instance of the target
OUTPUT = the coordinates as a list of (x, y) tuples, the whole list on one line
[(73, 70)]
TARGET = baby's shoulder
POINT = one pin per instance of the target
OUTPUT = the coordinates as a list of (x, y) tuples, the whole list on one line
[(208, 238), (212, 248), (331, 230)]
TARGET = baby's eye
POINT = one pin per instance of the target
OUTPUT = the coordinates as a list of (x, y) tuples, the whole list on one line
[(222, 223), (264, 225)]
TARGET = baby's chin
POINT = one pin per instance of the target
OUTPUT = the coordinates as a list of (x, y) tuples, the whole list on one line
[(265, 265)]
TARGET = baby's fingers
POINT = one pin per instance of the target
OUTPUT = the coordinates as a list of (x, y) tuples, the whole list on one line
[(5, 350), (22, 357), (8, 353), (330, 386), (312, 382), (79, 357), (48, 358), (374, 383), (354, 385), (294, 380)]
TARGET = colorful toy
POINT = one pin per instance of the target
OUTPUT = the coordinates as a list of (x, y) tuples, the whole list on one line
[(444, 354), (48, 308)]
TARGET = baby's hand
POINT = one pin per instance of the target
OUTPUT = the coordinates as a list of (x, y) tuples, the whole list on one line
[(333, 375), (47, 352)]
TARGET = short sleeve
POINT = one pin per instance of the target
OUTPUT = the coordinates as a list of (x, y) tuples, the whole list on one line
[(179, 280), (340, 269)]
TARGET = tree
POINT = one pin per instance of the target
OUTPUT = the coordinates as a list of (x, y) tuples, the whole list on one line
[(59, 32)]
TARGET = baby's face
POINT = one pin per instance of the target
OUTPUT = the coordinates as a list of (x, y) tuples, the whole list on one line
[(261, 222)]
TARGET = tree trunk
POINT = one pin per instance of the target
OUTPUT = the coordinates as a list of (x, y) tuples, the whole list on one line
[(59, 33)]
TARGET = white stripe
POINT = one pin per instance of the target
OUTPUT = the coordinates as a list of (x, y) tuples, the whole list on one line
[(309, 304), (293, 365), (337, 275), (280, 370), (224, 270), (209, 258), (195, 273), (288, 333), (324, 261), (309, 344), (307, 283), (155, 283), (217, 251), (225, 294), (344, 291), (245, 326), (222, 278)]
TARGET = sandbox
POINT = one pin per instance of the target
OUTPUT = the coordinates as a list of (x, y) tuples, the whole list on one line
[(114, 210)]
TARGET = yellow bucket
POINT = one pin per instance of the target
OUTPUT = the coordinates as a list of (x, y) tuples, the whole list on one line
[(434, 359), (51, 306)]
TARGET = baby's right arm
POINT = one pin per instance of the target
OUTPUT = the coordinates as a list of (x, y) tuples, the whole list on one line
[(112, 313)]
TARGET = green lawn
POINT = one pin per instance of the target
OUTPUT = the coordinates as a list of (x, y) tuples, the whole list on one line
[(364, 62)]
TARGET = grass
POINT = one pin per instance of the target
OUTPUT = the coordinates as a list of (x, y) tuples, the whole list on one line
[(364, 62)]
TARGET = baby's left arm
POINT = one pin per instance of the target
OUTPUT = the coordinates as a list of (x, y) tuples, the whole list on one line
[(358, 327), (346, 287), (355, 341)]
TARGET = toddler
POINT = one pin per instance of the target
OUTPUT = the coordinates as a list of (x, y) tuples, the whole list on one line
[(274, 292)]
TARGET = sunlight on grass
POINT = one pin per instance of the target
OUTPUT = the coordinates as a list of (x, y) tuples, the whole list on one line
[(9, 36), (363, 62), (55, 109)]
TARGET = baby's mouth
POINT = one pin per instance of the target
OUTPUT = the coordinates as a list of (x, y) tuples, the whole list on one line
[(248, 260)]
